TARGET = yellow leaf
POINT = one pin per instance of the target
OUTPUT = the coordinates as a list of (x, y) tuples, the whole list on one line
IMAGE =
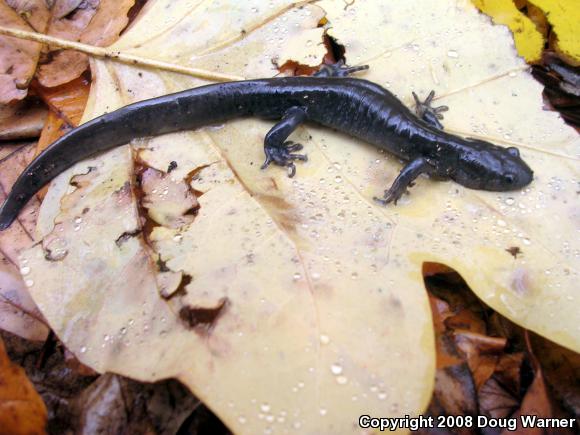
[(564, 16), (529, 42), (296, 305)]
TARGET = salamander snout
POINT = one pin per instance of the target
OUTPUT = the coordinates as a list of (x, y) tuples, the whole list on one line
[(493, 168)]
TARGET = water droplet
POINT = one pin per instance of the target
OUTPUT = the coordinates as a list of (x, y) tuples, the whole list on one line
[(78, 220), (324, 339), (336, 369), (341, 380), (453, 54), (323, 411), (338, 179), (83, 349), (241, 418), (29, 283), (510, 200), (382, 395), (177, 237), (24, 270), (354, 275), (265, 407)]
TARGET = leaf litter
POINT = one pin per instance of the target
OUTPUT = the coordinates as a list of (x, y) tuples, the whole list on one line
[(286, 218)]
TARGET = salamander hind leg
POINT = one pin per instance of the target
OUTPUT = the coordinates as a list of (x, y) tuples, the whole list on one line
[(404, 180), (428, 113), (280, 151), (338, 69)]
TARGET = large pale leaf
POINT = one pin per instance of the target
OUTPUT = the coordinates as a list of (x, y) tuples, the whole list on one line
[(298, 304)]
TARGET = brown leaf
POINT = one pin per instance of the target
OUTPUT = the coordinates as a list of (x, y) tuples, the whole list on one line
[(67, 101), (561, 368), (454, 393), (35, 12), (19, 236), (18, 57), (22, 411), (446, 351), (94, 22), (114, 404), (499, 395), (482, 353), (18, 313), (21, 119)]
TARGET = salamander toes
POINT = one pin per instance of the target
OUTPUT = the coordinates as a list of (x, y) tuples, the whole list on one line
[(391, 195), (428, 113), (339, 69), (284, 156)]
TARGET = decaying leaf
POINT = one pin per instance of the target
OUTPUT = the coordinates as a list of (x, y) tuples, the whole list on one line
[(95, 22), (561, 368), (21, 120), (22, 411), (18, 58), (35, 12), (66, 104), (18, 313), (298, 304)]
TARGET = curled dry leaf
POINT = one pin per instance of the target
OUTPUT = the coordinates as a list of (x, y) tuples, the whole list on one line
[(308, 299), (18, 58), (22, 411)]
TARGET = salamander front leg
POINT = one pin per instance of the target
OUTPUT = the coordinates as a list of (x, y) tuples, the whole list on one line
[(277, 149), (405, 179), (338, 69), (427, 113)]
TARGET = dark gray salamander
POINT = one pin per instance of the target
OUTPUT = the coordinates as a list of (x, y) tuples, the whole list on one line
[(357, 107)]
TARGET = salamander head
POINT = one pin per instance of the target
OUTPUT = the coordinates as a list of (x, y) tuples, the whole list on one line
[(486, 166)]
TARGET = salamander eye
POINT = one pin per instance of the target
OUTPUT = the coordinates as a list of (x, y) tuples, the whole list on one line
[(513, 151), (509, 178)]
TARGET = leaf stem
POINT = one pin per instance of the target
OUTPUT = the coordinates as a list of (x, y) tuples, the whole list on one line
[(106, 53)]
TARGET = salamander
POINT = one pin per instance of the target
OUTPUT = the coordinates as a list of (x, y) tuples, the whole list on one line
[(354, 106)]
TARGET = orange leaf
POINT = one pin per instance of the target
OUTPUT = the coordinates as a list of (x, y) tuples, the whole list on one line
[(22, 411)]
